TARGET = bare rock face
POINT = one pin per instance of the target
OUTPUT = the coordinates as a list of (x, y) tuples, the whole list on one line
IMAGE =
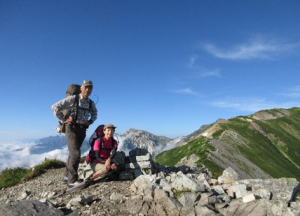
[(133, 139), (162, 191)]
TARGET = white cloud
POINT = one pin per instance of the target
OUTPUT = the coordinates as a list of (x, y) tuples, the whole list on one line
[(192, 61), (185, 91), (201, 71), (257, 48), (251, 104), (293, 92), (215, 73), (17, 154)]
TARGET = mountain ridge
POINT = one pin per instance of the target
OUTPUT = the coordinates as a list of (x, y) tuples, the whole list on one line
[(262, 144)]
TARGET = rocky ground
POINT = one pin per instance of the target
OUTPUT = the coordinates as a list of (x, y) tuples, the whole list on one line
[(155, 190), (101, 198)]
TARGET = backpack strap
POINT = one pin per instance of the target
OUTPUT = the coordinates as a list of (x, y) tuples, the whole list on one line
[(75, 104), (77, 100)]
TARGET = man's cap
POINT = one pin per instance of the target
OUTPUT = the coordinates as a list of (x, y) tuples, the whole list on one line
[(109, 126), (87, 83)]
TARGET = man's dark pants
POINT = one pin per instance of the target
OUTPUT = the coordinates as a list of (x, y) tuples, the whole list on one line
[(75, 136)]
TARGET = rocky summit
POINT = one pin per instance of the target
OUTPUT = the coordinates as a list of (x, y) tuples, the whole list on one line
[(147, 188)]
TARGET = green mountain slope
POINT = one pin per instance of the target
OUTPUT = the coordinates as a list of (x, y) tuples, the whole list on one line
[(261, 145)]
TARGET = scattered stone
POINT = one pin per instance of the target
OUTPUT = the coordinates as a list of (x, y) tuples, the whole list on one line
[(248, 198)]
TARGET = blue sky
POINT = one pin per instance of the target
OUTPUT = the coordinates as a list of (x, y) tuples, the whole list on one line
[(166, 67)]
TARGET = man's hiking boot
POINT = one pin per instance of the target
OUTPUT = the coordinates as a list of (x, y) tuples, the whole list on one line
[(64, 180), (70, 185)]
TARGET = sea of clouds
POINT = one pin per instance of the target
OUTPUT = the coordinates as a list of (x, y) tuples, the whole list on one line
[(18, 154)]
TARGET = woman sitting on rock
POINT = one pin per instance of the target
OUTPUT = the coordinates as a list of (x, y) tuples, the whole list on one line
[(103, 151)]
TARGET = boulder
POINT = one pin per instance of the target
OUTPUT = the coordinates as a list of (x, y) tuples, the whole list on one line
[(228, 176), (29, 207)]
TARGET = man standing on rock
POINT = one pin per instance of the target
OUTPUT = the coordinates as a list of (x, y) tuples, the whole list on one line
[(77, 122)]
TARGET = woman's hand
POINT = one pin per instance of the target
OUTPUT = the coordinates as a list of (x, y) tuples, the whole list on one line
[(114, 167), (107, 164)]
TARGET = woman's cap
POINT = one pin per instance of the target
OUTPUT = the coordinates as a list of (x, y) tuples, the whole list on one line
[(109, 126)]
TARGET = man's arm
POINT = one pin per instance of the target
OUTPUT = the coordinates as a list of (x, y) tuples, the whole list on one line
[(57, 108)]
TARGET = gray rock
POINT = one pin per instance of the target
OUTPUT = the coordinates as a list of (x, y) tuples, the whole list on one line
[(29, 207), (202, 177), (203, 210), (126, 175), (24, 195), (144, 180), (138, 152), (217, 190), (146, 157), (116, 197), (148, 192), (158, 209), (205, 196), (238, 208), (228, 176), (145, 208), (134, 205), (138, 165), (184, 182), (80, 200), (172, 206), (160, 194), (239, 190), (283, 189), (187, 200)]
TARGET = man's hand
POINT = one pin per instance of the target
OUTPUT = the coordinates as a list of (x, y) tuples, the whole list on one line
[(69, 121)]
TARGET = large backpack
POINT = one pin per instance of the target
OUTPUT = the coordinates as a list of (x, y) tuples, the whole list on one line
[(73, 89), (98, 134)]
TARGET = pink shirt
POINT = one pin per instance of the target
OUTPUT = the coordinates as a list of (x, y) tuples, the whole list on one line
[(103, 152)]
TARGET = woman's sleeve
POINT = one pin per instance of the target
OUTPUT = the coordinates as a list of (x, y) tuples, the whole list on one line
[(98, 158), (97, 145)]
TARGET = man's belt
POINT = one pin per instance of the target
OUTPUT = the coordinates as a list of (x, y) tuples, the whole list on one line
[(75, 125)]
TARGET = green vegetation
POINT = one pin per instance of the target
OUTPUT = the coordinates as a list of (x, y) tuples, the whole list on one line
[(39, 169), (271, 144), (82, 159), (217, 134), (10, 177), (274, 148), (199, 147), (177, 193)]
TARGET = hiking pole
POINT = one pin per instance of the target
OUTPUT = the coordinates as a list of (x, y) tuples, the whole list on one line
[(88, 180)]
